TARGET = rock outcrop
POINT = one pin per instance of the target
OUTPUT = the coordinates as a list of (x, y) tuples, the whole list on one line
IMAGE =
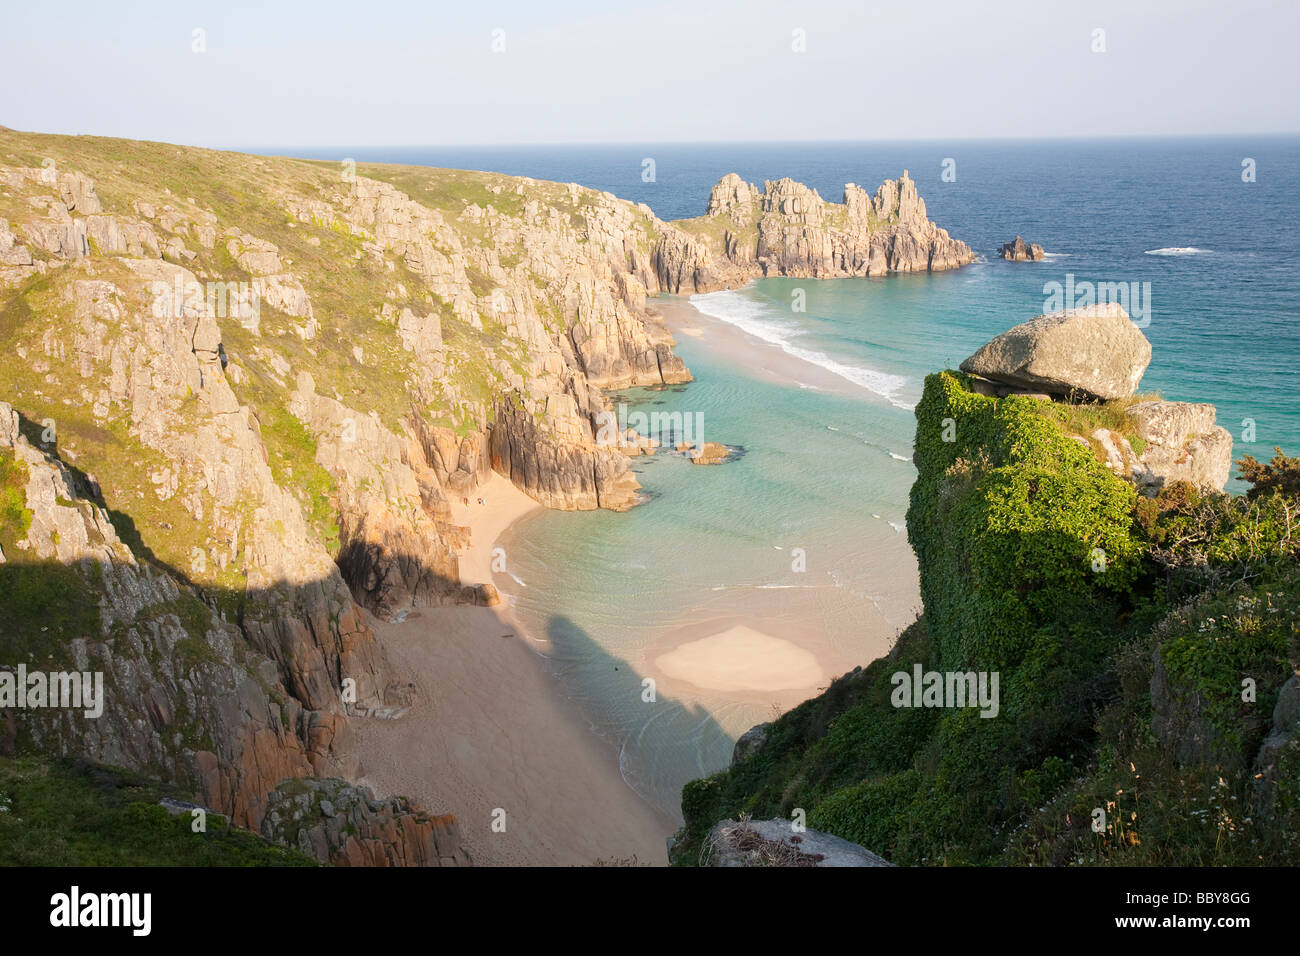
[(750, 742), (345, 825), (1282, 731), (787, 229), (1182, 444), (1021, 251), (1097, 353), (734, 843), (265, 393), (1094, 352), (706, 453)]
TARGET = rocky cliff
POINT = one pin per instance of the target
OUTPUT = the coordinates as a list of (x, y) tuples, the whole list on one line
[(241, 393), (787, 229), (1146, 646)]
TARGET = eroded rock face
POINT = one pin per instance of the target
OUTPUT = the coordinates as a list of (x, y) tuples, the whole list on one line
[(1093, 352), (787, 229), (159, 690), (1182, 443), (1020, 251), (293, 467), (345, 825), (561, 467)]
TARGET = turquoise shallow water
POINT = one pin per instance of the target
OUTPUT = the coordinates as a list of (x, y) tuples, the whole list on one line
[(822, 472), (829, 472)]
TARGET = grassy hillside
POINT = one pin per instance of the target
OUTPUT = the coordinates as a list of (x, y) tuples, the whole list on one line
[(70, 813)]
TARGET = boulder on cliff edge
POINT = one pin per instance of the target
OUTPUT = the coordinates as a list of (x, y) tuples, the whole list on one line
[(1094, 352)]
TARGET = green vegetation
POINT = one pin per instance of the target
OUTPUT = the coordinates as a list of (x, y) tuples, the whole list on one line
[(65, 813), (1023, 537), (1282, 474), (15, 519), (1084, 418), (1141, 646), (291, 451)]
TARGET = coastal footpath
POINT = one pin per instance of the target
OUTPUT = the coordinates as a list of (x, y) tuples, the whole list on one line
[(243, 396)]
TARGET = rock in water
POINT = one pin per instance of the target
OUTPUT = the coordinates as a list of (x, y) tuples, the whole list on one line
[(1021, 251), (1093, 352), (709, 453)]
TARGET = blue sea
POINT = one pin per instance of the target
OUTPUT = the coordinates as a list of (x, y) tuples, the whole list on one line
[(828, 470)]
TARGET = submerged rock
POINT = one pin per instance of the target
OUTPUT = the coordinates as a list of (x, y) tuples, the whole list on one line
[(1094, 352), (709, 453)]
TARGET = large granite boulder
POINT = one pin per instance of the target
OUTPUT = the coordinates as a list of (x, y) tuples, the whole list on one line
[(1021, 251), (774, 843), (1094, 352)]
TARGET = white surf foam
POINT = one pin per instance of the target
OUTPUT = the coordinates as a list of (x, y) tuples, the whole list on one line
[(749, 316), (1179, 251)]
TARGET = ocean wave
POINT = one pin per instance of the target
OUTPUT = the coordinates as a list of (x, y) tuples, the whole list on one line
[(900, 457), (749, 316), (1179, 251)]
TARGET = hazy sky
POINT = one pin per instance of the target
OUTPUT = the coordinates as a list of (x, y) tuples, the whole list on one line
[(383, 72)]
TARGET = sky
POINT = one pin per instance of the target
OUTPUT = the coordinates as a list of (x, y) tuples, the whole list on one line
[(403, 72)]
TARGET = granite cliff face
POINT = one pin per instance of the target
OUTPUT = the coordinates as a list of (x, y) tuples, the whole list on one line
[(787, 229), (242, 392)]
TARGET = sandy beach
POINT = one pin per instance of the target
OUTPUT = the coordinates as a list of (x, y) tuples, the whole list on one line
[(759, 358), (492, 732)]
